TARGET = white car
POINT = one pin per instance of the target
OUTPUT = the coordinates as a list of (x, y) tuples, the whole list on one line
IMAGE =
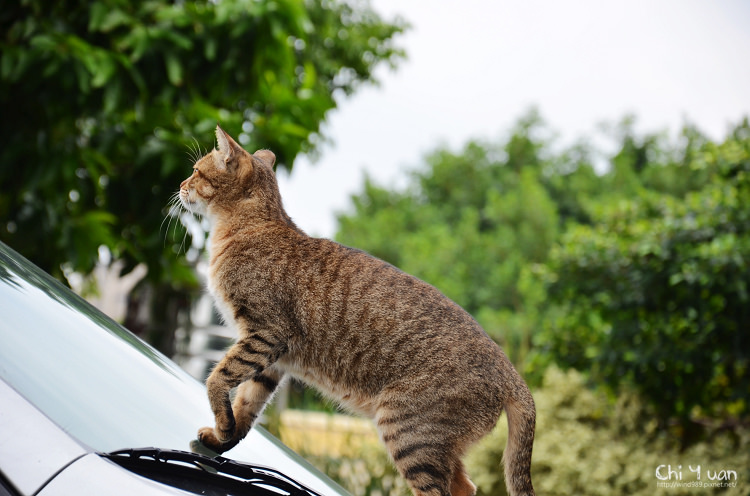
[(88, 408)]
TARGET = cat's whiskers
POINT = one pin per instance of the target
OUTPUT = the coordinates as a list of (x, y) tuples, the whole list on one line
[(185, 213), (184, 238), (174, 208), (195, 152)]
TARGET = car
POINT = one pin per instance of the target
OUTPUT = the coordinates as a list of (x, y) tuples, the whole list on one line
[(86, 407)]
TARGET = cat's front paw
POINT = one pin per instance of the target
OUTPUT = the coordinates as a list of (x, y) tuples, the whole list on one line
[(207, 436)]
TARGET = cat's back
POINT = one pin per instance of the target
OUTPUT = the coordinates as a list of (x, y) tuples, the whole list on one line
[(350, 299)]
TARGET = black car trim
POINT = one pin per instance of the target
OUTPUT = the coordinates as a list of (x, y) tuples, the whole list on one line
[(194, 472)]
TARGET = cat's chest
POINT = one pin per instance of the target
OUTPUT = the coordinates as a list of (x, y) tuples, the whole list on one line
[(223, 304), (223, 281)]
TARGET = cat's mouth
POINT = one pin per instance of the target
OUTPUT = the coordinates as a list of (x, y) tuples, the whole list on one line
[(190, 205)]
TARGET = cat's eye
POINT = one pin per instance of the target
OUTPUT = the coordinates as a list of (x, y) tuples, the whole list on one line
[(195, 170)]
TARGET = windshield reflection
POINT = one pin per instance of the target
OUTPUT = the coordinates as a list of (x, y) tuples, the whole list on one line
[(99, 386), (30, 275)]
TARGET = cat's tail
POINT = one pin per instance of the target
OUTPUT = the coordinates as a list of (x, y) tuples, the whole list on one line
[(517, 455)]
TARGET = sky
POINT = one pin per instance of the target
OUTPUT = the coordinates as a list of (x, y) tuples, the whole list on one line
[(474, 67)]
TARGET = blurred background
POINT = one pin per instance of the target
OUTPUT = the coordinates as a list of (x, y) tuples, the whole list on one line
[(576, 175)]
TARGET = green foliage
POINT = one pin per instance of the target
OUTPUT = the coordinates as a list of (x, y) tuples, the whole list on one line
[(586, 444), (101, 99), (655, 292)]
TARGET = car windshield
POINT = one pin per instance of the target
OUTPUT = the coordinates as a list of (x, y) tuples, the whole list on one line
[(100, 383)]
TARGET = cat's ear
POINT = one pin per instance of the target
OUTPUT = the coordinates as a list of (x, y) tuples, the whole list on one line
[(266, 156), (228, 148)]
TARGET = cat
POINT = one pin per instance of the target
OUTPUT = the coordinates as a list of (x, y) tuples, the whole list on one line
[(376, 340)]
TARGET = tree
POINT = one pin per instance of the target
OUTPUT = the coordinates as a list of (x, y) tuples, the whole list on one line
[(655, 293), (101, 100)]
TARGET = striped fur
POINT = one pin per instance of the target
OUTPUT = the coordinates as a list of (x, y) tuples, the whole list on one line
[(378, 341)]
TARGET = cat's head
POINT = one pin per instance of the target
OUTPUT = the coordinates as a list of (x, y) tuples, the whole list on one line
[(228, 178)]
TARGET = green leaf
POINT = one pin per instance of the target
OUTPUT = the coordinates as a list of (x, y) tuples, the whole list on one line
[(209, 48), (174, 69)]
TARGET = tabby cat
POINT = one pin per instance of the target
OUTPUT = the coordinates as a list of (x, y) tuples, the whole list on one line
[(378, 341)]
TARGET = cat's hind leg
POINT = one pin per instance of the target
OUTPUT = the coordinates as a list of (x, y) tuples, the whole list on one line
[(431, 473), (427, 462), (426, 442)]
